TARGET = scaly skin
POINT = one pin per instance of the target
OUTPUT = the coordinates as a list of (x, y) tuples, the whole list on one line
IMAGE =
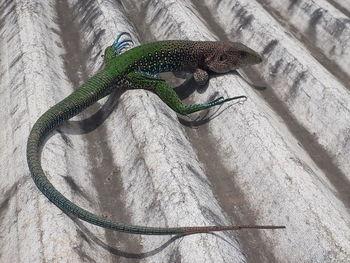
[(134, 69)]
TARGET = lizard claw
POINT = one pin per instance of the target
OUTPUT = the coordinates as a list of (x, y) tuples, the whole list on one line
[(218, 100), (120, 35), (191, 118), (119, 46), (221, 100)]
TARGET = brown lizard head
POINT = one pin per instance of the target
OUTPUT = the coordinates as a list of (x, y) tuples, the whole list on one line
[(228, 56)]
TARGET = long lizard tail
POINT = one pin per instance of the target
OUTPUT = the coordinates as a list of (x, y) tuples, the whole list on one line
[(94, 89)]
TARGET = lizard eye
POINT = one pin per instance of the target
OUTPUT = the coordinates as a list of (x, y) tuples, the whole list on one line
[(242, 53), (222, 57)]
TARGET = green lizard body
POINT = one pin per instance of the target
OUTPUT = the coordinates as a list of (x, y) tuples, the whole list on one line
[(135, 69)]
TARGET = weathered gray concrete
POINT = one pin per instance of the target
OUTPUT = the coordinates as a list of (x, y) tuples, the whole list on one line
[(341, 5), (322, 28), (278, 158)]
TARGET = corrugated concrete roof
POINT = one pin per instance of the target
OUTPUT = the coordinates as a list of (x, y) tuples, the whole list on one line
[(281, 157)]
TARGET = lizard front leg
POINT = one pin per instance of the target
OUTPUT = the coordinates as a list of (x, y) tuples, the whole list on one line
[(201, 76), (168, 95)]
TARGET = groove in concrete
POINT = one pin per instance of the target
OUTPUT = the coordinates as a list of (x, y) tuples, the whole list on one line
[(230, 196), (322, 158), (340, 8), (315, 51), (106, 175)]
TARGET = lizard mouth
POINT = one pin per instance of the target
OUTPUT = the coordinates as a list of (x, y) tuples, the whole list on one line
[(222, 67)]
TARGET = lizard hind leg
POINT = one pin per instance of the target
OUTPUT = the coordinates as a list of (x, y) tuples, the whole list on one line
[(168, 95)]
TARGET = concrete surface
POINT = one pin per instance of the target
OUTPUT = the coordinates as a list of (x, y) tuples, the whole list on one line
[(281, 157)]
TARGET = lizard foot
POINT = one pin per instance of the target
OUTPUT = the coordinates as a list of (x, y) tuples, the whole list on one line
[(221, 100)]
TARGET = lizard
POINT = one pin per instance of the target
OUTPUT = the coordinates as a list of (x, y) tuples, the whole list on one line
[(136, 69)]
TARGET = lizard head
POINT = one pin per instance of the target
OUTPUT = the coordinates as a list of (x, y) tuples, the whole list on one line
[(230, 56)]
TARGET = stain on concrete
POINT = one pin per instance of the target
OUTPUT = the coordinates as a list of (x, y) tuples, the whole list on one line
[(90, 11), (339, 27), (332, 51), (18, 58), (245, 19), (95, 40), (288, 68), (292, 4), (275, 68), (4, 202), (316, 16), (299, 80), (315, 19), (270, 47)]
